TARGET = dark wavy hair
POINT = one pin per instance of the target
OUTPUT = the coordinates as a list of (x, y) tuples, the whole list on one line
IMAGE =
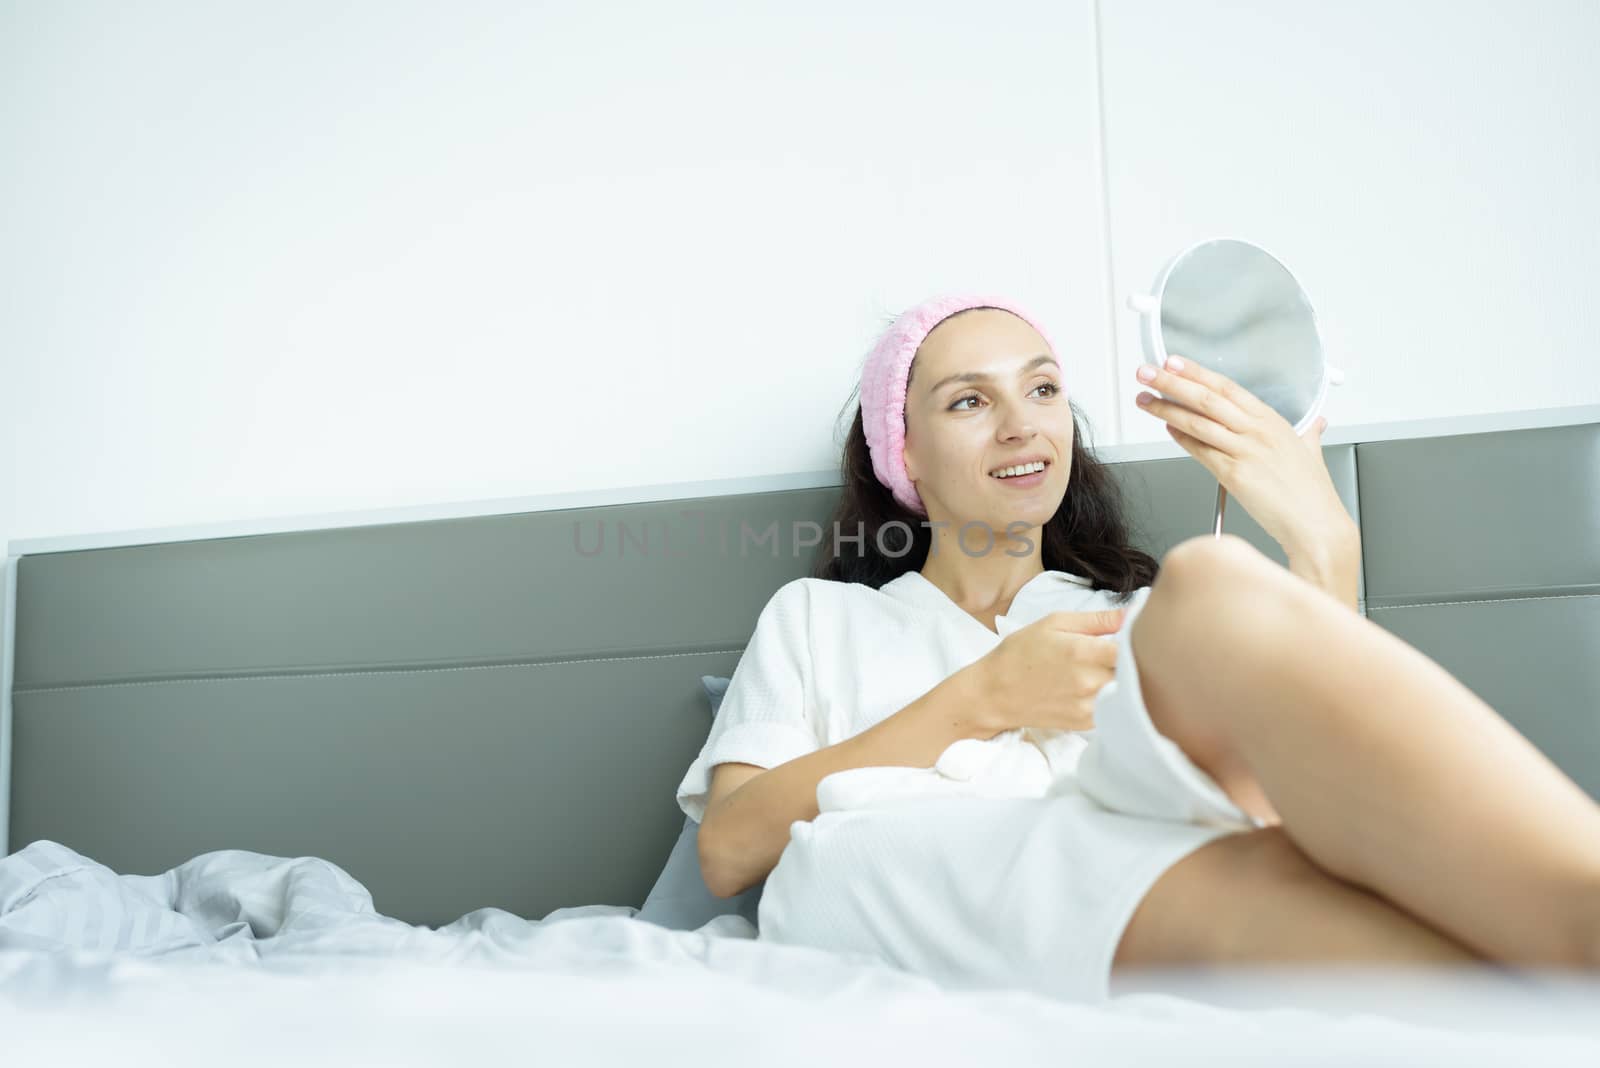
[(1087, 536)]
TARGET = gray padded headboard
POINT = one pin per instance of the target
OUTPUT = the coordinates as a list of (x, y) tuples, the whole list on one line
[(472, 712)]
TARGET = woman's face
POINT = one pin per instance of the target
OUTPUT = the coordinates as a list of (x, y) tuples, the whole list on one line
[(1008, 405)]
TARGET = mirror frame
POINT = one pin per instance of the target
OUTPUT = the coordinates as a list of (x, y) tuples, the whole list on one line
[(1148, 306)]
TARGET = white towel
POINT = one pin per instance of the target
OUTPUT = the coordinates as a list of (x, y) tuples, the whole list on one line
[(1021, 762), (1025, 762)]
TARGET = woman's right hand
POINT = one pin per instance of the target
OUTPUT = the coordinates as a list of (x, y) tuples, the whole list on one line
[(1047, 673)]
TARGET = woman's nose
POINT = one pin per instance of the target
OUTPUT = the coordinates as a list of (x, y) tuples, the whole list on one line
[(1017, 421)]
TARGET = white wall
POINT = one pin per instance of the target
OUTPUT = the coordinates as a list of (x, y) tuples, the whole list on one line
[(267, 260), (277, 259), (1428, 168)]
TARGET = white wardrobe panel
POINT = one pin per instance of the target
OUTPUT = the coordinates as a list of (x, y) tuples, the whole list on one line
[(1428, 168)]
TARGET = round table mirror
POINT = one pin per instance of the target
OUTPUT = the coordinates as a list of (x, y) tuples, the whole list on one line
[(1233, 307)]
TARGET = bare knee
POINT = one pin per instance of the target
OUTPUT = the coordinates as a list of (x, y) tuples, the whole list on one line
[(1211, 566), (1220, 597), (1214, 600)]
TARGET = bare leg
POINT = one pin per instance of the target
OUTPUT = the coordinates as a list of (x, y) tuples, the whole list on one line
[(1256, 898), (1386, 770)]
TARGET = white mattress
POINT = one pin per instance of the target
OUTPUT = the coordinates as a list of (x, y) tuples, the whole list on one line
[(239, 958)]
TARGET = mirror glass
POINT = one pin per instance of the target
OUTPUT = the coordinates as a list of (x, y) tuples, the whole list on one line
[(1232, 307)]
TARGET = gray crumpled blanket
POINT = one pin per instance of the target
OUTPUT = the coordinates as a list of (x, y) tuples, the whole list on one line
[(234, 905), (147, 960)]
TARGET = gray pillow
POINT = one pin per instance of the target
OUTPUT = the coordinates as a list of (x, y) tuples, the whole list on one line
[(680, 899)]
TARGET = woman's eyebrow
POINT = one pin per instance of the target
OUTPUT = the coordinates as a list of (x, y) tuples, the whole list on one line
[(979, 376)]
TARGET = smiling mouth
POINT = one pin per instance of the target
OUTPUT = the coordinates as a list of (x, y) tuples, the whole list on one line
[(1005, 474)]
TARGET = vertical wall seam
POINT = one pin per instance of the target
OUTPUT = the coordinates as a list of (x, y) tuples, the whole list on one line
[(8, 665), (1103, 166)]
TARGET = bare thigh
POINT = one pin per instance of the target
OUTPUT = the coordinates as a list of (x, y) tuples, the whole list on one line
[(1256, 898), (1387, 771)]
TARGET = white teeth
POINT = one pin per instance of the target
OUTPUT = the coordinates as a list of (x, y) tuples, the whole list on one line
[(1023, 469)]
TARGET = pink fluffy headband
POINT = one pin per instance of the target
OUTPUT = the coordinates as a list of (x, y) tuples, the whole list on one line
[(883, 384)]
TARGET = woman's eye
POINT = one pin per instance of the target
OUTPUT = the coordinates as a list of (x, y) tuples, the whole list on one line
[(1051, 386)]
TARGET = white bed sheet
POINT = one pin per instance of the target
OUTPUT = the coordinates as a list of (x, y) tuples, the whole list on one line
[(240, 958)]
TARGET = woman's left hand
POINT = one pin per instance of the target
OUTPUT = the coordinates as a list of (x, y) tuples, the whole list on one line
[(1277, 476)]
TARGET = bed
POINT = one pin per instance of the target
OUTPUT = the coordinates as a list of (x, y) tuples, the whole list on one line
[(392, 771)]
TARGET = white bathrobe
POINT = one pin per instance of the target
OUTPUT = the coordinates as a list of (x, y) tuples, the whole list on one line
[(1016, 860)]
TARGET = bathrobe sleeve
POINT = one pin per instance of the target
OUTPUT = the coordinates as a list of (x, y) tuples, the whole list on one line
[(767, 716)]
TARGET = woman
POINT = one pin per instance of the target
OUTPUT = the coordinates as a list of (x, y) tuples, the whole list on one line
[(1269, 778)]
